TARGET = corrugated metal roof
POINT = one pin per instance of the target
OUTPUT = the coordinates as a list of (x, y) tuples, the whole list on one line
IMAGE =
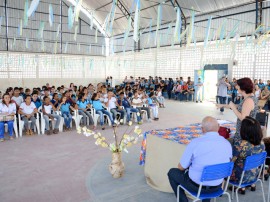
[(149, 10)]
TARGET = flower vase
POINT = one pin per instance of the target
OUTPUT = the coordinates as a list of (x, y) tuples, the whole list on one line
[(117, 167)]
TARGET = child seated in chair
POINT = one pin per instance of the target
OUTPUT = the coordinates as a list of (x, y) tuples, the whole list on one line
[(28, 110), (153, 105), (47, 108), (65, 107), (84, 106)]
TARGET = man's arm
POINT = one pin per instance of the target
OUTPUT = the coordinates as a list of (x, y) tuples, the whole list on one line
[(180, 167)]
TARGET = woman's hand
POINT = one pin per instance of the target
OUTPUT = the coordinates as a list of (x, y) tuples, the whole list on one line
[(232, 105)]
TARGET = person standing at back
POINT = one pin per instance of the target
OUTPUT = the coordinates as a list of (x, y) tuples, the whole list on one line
[(199, 90), (222, 92), (210, 149)]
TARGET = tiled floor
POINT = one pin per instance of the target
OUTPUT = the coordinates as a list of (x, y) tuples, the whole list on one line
[(64, 167)]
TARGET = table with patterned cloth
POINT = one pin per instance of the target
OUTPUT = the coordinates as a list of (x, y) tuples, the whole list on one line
[(164, 150)]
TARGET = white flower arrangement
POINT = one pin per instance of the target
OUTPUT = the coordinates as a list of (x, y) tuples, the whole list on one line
[(126, 140)]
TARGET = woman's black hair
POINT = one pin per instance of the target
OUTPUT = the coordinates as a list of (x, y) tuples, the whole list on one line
[(81, 95), (251, 131), (94, 96)]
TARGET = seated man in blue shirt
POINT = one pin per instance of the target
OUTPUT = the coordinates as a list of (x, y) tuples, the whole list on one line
[(207, 150), (122, 101)]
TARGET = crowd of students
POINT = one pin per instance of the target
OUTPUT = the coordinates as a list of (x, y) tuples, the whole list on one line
[(103, 100)]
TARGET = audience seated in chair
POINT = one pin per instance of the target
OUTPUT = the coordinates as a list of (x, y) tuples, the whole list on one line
[(251, 143), (28, 111), (47, 109), (64, 107), (7, 109), (122, 101)]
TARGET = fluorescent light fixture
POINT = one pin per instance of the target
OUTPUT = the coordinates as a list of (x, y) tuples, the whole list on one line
[(74, 3)]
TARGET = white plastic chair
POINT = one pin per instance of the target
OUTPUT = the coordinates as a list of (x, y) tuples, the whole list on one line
[(42, 122), (77, 118), (21, 124)]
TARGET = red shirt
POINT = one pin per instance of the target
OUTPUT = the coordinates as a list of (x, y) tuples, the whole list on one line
[(185, 87)]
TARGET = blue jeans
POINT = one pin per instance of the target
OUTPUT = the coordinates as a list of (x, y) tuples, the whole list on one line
[(86, 114), (222, 100), (178, 177), (130, 110), (121, 111), (47, 121), (67, 118), (101, 112), (2, 128)]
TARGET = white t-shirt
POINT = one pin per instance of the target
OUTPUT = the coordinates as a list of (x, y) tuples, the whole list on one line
[(11, 108), (27, 109), (18, 100), (257, 93), (137, 101), (112, 102), (48, 109)]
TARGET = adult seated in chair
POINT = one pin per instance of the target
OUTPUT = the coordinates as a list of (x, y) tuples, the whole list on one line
[(210, 149), (113, 105), (250, 144), (7, 111), (126, 104), (28, 110)]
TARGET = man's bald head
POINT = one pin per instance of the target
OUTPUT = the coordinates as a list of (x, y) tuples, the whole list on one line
[(210, 124)]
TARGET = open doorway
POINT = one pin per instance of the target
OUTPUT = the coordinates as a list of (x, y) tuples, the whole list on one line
[(210, 88), (212, 74)]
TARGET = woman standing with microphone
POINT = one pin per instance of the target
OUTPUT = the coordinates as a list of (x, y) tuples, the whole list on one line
[(247, 107)]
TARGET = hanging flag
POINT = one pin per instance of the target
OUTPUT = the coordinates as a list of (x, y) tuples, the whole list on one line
[(157, 42), (27, 43), (33, 8), (26, 5), (55, 47), (233, 32), (191, 28), (58, 30), (66, 47), (127, 31), (207, 32), (89, 49), (78, 10), (178, 26), (70, 18), (136, 21), (14, 43), (102, 52), (78, 47), (96, 40), (41, 29), (42, 46), (169, 31), (112, 15), (150, 33), (91, 20), (51, 15), (75, 33), (20, 26), (1, 18), (91, 62)]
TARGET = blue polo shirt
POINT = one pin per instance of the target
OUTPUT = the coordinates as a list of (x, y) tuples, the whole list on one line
[(65, 107), (38, 103), (125, 103), (261, 85), (82, 105), (97, 105), (209, 149)]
